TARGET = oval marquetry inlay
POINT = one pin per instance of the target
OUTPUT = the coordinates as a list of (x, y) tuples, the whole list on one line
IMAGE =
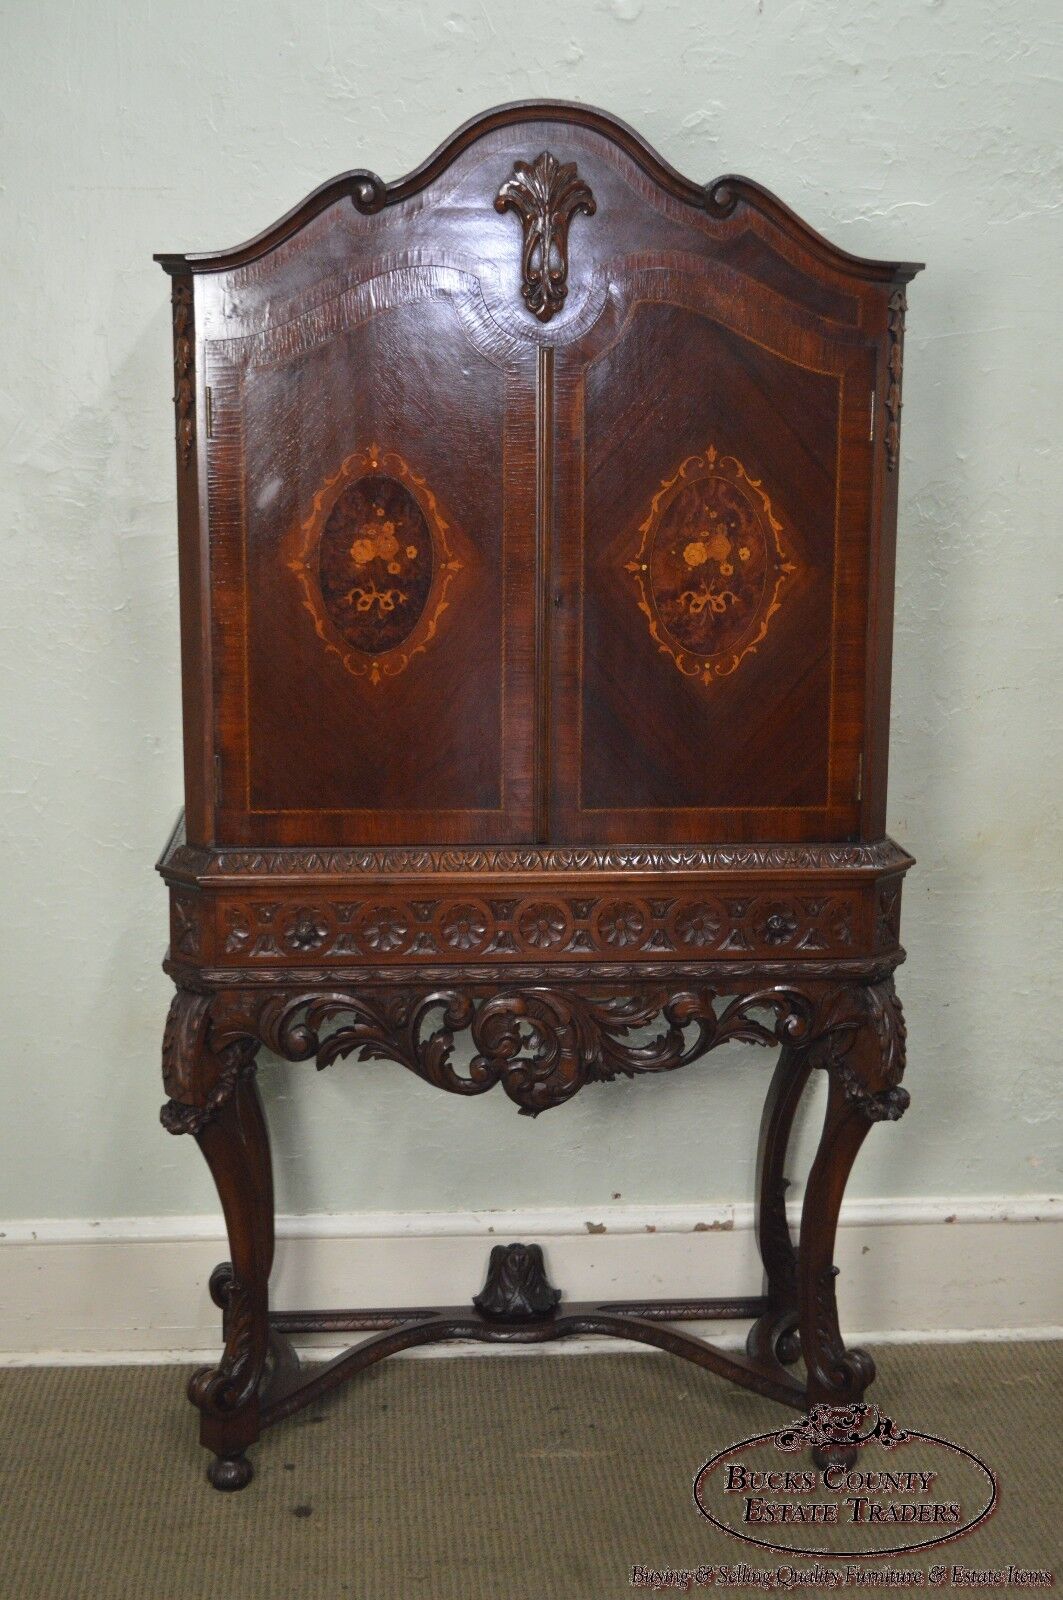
[(710, 565), (376, 563)]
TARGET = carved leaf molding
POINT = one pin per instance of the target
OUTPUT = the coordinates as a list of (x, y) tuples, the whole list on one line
[(184, 396), (898, 306), (307, 862)]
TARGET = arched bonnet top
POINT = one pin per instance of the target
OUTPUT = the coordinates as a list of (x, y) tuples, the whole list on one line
[(369, 194)]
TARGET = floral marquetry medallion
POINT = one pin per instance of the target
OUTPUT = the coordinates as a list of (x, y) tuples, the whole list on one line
[(711, 566), (375, 563)]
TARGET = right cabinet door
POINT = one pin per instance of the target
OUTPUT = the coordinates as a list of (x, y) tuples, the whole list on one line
[(713, 505)]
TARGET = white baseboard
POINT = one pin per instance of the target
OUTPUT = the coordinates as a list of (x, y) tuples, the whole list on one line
[(134, 1289)]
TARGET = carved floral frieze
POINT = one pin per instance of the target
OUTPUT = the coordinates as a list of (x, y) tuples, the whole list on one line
[(390, 927)]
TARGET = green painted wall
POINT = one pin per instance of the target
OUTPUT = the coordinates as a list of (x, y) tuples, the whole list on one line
[(901, 128)]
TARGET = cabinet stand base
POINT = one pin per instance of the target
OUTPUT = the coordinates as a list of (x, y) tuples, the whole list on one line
[(286, 1387), (542, 1042)]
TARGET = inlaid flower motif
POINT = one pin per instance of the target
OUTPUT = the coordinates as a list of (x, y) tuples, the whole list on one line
[(621, 924), (698, 925), (464, 927), (779, 927), (711, 566), (305, 929), (384, 929), (542, 925)]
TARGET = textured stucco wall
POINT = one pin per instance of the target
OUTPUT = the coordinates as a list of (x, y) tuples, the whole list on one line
[(903, 128)]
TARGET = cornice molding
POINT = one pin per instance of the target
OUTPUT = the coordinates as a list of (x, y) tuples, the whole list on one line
[(369, 193)]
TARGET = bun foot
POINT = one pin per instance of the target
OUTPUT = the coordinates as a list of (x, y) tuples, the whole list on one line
[(788, 1347), (774, 1337), (221, 1284), (230, 1472)]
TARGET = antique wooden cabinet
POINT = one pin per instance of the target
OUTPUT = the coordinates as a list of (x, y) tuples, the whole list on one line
[(537, 520)]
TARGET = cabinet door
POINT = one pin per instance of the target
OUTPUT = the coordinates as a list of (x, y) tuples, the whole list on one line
[(371, 508), (711, 546)]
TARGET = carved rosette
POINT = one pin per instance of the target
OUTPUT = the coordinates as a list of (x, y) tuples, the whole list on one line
[(545, 195)]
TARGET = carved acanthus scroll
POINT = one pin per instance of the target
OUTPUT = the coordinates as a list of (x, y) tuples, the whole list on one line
[(544, 1043), (546, 196)]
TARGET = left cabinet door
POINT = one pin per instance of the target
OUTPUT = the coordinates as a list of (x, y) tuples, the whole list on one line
[(369, 477)]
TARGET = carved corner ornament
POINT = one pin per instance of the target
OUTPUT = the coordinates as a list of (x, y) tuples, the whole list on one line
[(202, 1065), (517, 1287), (898, 305), (546, 195), (184, 395), (375, 562), (711, 565), (861, 1042)]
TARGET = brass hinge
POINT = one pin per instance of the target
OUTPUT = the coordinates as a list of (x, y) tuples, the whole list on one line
[(860, 776), (210, 412), (870, 437)]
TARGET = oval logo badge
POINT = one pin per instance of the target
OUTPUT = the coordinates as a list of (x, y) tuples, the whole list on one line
[(872, 1489), (710, 566), (376, 561)]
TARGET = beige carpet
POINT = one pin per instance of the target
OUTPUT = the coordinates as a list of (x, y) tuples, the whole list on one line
[(488, 1479)]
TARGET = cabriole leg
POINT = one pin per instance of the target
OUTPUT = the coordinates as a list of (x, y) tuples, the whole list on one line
[(862, 1048), (219, 1106), (773, 1337)]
